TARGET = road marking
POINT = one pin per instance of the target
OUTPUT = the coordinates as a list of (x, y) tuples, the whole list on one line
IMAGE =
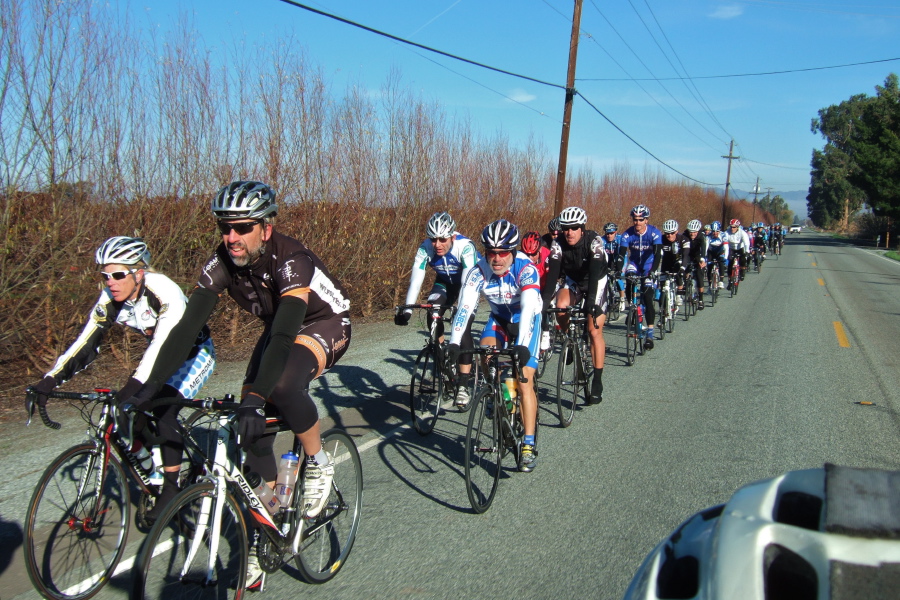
[(841, 336), (814, 264), (821, 282)]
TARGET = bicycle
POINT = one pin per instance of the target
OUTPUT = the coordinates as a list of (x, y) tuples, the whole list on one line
[(614, 297), (758, 258), (495, 429), (576, 366), (199, 546), (76, 527), (714, 278), (667, 307), (634, 322), (432, 376), (734, 276), (691, 298)]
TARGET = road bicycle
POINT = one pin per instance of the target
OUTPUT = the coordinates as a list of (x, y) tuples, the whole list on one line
[(667, 307), (734, 276), (556, 338), (758, 257), (576, 367), (635, 327), (76, 527), (495, 429), (614, 296), (434, 378), (714, 279), (199, 546), (691, 296)]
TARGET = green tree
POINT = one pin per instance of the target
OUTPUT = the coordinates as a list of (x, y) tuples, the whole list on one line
[(861, 159)]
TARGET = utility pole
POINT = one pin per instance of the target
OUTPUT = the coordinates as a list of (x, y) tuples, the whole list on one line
[(567, 110), (727, 180), (755, 195), (769, 198)]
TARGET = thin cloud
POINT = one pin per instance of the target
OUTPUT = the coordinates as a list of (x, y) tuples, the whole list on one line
[(727, 11), (520, 96)]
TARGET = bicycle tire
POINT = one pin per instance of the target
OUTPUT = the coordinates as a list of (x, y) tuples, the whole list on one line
[(483, 451), (613, 312), (327, 538), (426, 391), (631, 337), (75, 531), (689, 297), (544, 356), (714, 287), (663, 313), (185, 525), (672, 308), (567, 382)]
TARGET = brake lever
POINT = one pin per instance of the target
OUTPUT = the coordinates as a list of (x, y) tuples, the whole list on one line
[(29, 405)]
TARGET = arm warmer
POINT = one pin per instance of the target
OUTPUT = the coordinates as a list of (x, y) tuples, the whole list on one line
[(285, 327)]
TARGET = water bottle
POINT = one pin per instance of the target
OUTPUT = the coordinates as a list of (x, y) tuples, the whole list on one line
[(512, 388), (263, 492), (156, 474), (287, 477), (507, 397)]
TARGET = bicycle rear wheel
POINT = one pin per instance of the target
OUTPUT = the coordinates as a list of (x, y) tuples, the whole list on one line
[(76, 524), (326, 540), (182, 558), (663, 314), (483, 451), (426, 391), (567, 382), (612, 311)]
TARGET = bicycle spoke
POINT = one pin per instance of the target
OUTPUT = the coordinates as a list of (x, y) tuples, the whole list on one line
[(483, 452)]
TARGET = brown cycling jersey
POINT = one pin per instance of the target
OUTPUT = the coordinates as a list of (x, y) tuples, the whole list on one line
[(286, 268)]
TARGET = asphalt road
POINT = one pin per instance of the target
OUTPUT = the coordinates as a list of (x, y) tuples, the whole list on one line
[(769, 381)]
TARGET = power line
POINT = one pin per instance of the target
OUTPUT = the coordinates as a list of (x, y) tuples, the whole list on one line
[(417, 45), (857, 64)]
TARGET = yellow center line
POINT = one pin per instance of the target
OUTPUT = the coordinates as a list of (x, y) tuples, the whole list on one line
[(821, 281), (814, 264), (843, 342)]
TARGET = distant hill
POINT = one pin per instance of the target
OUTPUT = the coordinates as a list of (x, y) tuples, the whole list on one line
[(795, 200)]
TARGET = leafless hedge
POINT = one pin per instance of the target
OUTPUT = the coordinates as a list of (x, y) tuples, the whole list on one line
[(107, 130)]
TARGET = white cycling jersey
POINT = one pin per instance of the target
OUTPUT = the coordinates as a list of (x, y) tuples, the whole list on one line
[(739, 240)]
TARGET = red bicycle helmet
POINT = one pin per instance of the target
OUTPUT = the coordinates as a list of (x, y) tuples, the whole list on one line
[(734, 223), (531, 243)]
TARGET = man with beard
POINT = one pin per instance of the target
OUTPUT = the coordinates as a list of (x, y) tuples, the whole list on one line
[(307, 329)]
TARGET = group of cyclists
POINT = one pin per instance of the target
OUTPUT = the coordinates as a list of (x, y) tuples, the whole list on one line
[(306, 315)]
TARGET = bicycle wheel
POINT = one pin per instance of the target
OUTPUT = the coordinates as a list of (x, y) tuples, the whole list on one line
[(631, 337), (426, 390), (326, 540), (689, 297), (483, 451), (543, 358), (182, 558), (567, 382), (672, 309), (612, 311), (76, 524), (663, 314)]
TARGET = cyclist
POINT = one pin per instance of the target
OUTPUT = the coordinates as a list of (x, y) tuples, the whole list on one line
[(150, 303), (718, 252), (697, 245), (450, 254), (306, 315), (511, 284), (552, 232), (612, 241), (675, 256), (540, 256), (642, 244), (739, 246), (579, 255), (759, 242)]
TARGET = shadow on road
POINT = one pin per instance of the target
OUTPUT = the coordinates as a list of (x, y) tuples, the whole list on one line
[(10, 541)]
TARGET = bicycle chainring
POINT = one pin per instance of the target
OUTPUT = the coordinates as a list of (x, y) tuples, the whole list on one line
[(271, 558)]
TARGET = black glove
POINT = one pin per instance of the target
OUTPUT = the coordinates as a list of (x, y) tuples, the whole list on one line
[(43, 388), (596, 311), (523, 354), (402, 318), (453, 352), (251, 420)]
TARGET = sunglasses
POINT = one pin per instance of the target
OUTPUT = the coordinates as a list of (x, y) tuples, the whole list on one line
[(638, 220), (671, 233), (225, 227), (571, 227), (498, 253), (443, 240), (117, 275)]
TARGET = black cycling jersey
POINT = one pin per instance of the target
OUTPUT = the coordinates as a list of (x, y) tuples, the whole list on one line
[(696, 247), (675, 253), (585, 263)]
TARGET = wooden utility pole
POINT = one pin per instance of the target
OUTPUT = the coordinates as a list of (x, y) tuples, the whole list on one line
[(567, 110), (755, 196), (727, 180)]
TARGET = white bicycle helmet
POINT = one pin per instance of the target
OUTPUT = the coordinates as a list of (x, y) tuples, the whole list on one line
[(500, 235), (572, 217), (670, 226), (831, 533), (694, 225), (121, 250), (440, 225), (244, 200)]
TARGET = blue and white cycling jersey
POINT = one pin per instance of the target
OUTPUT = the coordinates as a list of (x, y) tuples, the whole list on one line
[(514, 297), (612, 247), (448, 269), (642, 247), (717, 246)]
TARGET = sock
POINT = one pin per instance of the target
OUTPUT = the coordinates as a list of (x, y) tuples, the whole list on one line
[(597, 383), (529, 440), (321, 457)]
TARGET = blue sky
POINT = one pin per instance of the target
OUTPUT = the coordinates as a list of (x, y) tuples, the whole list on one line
[(685, 124)]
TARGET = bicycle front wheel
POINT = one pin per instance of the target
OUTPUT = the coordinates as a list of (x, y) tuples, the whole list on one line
[(426, 391), (76, 524), (663, 315), (631, 337), (483, 451), (326, 539), (613, 301), (567, 382), (182, 558)]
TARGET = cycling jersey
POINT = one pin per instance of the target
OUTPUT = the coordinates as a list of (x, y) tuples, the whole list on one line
[(514, 297), (157, 309), (448, 269), (674, 254), (717, 246), (696, 247), (738, 241), (583, 264), (642, 248), (759, 240)]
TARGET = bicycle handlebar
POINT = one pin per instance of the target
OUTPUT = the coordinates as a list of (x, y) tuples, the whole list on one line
[(426, 306), (98, 395), (494, 351)]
